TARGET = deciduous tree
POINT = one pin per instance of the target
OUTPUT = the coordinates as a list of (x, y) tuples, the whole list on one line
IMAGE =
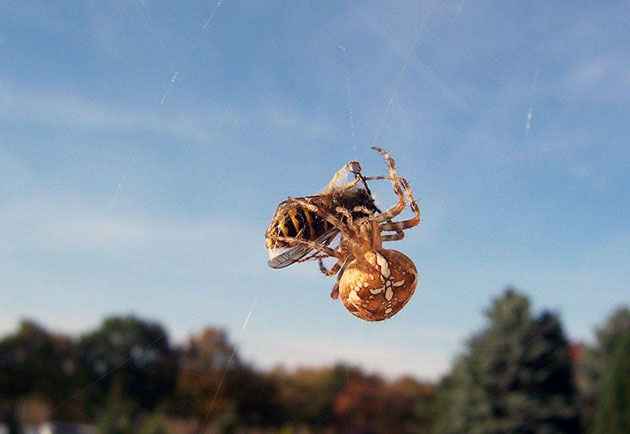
[(138, 352)]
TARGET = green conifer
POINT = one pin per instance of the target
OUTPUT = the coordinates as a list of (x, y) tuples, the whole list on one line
[(516, 376), (613, 411)]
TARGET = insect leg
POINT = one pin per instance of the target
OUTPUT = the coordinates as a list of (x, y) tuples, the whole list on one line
[(352, 166), (313, 245), (363, 209)]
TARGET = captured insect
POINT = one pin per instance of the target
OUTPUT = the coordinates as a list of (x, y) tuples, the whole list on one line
[(373, 283), (292, 224)]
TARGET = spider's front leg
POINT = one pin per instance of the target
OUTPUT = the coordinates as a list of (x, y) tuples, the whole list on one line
[(393, 176), (405, 224), (399, 235)]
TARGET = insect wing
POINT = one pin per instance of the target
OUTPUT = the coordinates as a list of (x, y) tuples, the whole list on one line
[(294, 254)]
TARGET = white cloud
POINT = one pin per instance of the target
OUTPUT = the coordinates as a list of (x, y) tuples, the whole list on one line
[(605, 76), (58, 109), (67, 226), (72, 226), (585, 173), (593, 71), (54, 109)]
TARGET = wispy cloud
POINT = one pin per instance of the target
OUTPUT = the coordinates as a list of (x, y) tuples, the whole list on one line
[(41, 224), (605, 76), (55, 109), (69, 226), (51, 108)]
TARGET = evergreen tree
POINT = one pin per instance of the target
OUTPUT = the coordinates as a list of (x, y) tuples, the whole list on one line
[(593, 367), (515, 378), (613, 411), (119, 412)]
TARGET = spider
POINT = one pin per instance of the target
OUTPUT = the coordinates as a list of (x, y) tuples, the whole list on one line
[(374, 283)]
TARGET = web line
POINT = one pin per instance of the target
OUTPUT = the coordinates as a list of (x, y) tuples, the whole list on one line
[(395, 91), (155, 341), (192, 47), (350, 109), (229, 363), (116, 194), (530, 111), (158, 37)]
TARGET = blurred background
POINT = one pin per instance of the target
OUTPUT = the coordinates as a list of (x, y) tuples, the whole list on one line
[(145, 144)]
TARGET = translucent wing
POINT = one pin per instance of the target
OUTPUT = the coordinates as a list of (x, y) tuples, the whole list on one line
[(292, 255)]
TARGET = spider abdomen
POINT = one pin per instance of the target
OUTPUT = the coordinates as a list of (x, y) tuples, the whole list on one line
[(378, 284)]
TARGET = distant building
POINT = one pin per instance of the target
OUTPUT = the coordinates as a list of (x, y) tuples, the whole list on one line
[(576, 351), (60, 428)]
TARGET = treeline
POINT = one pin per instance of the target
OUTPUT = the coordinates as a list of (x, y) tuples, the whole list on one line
[(126, 377), (517, 375)]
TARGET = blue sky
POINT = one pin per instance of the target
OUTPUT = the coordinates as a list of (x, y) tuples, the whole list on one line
[(125, 192)]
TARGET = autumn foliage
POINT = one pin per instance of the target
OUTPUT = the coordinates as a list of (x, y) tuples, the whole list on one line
[(517, 374), (127, 377)]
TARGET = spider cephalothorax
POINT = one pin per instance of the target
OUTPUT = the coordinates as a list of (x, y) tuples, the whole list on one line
[(374, 283)]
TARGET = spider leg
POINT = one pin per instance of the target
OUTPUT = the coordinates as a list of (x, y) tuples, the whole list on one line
[(334, 294), (326, 216), (334, 269), (393, 176), (405, 184), (399, 235), (395, 209), (391, 164), (312, 244), (338, 269), (405, 224)]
